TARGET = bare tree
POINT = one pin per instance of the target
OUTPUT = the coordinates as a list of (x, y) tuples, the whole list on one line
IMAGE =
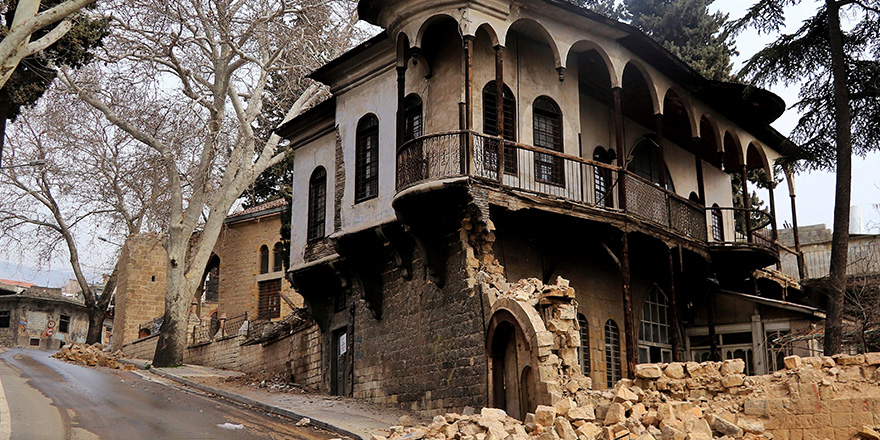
[(95, 179), (218, 60), (16, 43)]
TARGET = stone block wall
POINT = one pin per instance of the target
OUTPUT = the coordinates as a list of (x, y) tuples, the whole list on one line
[(239, 250), (140, 289), (298, 354), (427, 353)]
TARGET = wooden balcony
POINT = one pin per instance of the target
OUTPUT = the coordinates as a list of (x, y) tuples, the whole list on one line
[(587, 183)]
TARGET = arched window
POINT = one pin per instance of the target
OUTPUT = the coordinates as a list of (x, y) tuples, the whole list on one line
[(317, 204), (612, 353), (655, 331), (547, 129), (412, 117), (645, 163), (584, 349), (366, 165), (602, 178), (264, 259), (278, 257), (717, 224), (211, 286), (490, 112), (490, 124)]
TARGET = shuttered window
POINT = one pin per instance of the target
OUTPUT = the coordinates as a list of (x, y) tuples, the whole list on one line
[(317, 204), (547, 128), (612, 353)]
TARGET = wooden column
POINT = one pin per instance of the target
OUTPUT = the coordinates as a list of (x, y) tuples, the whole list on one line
[(802, 266), (499, 106), (401, 96), (619, 140), (628, 316), (469, 80), (698, 161), (746, 202), (673, 304), (658, 127), (715, 351)]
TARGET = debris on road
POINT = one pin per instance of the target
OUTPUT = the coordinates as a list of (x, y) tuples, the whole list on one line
[(231, 426), (92, 355)]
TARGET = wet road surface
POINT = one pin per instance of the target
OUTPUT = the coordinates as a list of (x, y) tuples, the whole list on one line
[(44, 398)]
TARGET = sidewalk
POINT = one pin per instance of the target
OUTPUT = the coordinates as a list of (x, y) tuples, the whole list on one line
[(345, 416)]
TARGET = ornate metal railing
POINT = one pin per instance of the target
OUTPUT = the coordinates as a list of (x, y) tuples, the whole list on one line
[(558, 175)]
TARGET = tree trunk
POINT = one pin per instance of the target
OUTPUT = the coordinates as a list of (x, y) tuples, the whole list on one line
[(4, 113), (836, 286), (96, 325), (172, 338)]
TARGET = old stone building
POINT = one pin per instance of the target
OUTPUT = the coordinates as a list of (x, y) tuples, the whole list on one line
[(244, 279), (528, 139), (40, 317)]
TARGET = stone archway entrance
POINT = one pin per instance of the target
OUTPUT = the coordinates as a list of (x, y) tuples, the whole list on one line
[(511, 386)]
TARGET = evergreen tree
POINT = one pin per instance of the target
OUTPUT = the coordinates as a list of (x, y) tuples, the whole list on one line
[(839, 104), (688, 30)]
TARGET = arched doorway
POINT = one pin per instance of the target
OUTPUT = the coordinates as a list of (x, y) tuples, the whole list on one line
[(512, 385)]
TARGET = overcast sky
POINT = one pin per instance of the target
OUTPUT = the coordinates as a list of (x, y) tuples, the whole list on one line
[(815, 190)]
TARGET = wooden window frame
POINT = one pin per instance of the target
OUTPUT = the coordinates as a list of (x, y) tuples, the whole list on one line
[(317, 205), (413, 117), (547, 134), (269, 305), (490, 126), (264, 259), (366, 168)]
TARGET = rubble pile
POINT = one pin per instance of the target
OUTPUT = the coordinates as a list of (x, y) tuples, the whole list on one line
[(92, 355)]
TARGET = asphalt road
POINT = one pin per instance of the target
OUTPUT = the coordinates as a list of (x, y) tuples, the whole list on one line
[(44, 398)]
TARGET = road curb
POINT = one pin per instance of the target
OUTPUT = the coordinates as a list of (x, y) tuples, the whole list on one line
[(242, 400)]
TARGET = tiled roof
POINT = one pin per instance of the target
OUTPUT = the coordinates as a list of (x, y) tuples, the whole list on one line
[(264, 207), (17, 283)]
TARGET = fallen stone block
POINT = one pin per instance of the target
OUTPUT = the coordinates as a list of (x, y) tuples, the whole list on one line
[(792, 362), (723, 427), (563, 429), (544, 415), (648, 371), (675, 371), (616, 414)]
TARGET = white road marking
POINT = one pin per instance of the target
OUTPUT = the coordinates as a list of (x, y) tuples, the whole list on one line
[(5, 417)]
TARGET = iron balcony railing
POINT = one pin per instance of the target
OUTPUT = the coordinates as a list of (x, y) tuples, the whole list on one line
[(553, 174)]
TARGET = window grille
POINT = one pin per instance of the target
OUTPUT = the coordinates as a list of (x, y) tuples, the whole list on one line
[(547, 129), (584, 349), (317, 205), (412, 117), (270, 299), (602, 178), (366, 169), (490, 123), (655, 329), (717, 224), (612, 353), (264, 259)]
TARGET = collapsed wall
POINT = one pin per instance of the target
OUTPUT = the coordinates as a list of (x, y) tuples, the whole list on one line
[(813, 398)]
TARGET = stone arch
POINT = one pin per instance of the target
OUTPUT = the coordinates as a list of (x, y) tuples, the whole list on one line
[(432, 21), (515, 323), (756, 157), (678, 121), (584, 46), (490, 31), (528, 26), (733, 154), (710, 141), (647, 78)]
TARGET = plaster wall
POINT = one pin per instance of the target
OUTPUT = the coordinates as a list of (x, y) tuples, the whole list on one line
[(307, 159), (378, 96)]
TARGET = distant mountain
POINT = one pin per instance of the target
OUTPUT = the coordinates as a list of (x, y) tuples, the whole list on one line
[(44, 277)]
